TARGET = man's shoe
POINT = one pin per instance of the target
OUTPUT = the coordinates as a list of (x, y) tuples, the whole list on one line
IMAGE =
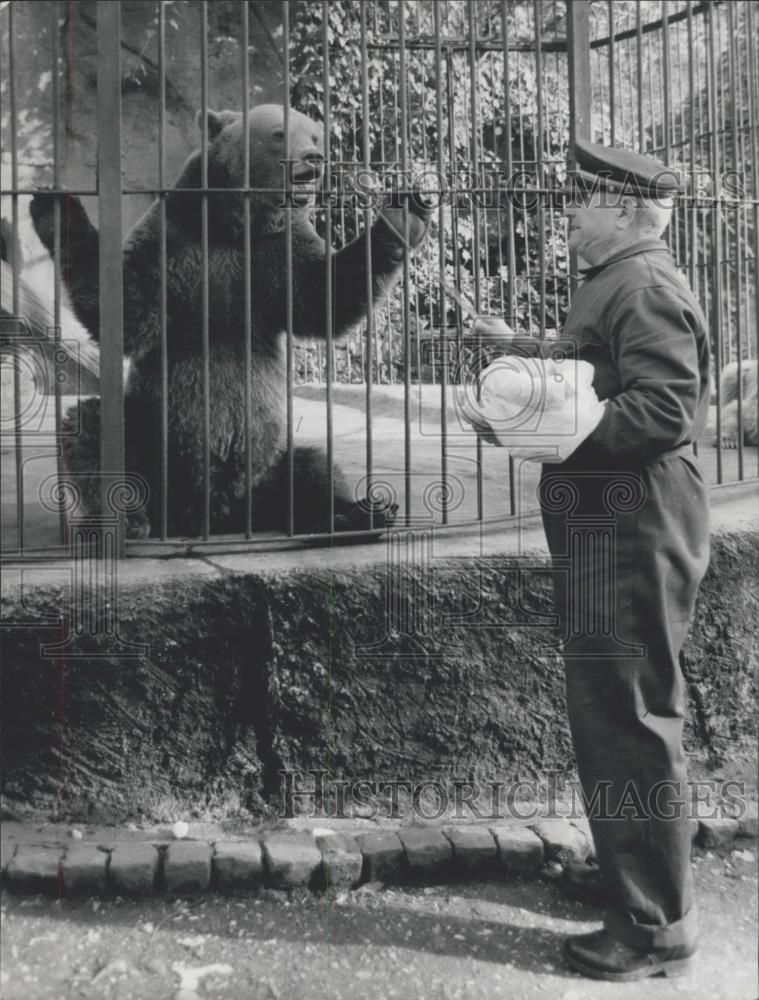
[(585, 883), (600, 956)]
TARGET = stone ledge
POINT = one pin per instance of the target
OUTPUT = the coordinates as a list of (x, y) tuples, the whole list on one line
[(520, 850), (383, 854), (428, 851), (237, 865), (84, 869), (475, 849), (133, 869), (35, 869), (296, 859), (342, 860), (291, 859), (562, 841), (187, 867)]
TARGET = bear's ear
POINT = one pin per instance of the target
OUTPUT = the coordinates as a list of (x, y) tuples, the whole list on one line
[(216, 121)]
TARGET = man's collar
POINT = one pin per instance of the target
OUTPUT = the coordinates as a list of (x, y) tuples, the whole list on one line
[(631, 250)]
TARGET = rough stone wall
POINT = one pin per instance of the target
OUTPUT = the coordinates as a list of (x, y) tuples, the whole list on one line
[(250, 673)]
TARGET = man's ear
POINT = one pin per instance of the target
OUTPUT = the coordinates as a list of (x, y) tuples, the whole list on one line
[(216, 121), (627, 206)]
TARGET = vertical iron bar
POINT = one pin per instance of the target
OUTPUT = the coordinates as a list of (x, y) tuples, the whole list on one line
[(525, 227), (578, 53), (737, 260), (715, 316), (539, 166), (618, 83), (248, 276), (693, 242), (110, 270), (289, 275), (205, 303), (639, 72), (164, 413), (753, 108), (612, 60), (667, 82), (449, 84), (16, 264), (651, 106), (57, 298), (721, 129), (511, 313), (578, 49), (367, 158), (329, 263), (403, 98), (474, 153), (445, 351)]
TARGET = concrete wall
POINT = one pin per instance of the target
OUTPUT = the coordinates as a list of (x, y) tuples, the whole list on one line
[(255, 663)]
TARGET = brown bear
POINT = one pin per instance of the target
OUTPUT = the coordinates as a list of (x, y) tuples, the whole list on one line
[(729, 397), (226, 284)]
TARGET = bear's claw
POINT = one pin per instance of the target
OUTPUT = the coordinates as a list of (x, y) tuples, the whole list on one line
[(365, 516)]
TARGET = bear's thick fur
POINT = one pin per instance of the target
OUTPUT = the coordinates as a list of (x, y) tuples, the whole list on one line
[(226, 312), (729, 392)]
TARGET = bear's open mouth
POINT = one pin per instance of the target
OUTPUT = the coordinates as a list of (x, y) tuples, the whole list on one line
[(305, 183)]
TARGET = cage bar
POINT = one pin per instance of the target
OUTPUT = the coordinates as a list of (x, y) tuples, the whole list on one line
[(367, 213), (329, 267), (289, 274), (402, 93), (164, 350), (18, 448), (205, 305), (736, 250), (715, 315), (110, 269), (248, 276), (445, 348)]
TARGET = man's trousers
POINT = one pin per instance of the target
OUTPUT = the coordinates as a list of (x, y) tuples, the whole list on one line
[(629, 549)]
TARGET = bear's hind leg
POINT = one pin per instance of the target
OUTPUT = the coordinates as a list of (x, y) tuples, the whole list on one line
[(81, 454), (729, 429), (81, 427), (311, 499)]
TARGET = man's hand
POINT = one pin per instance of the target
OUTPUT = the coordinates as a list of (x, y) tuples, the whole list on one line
[(493, 330), (466, 405)]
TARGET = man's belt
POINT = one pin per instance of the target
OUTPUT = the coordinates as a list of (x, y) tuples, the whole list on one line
[(683, 449)]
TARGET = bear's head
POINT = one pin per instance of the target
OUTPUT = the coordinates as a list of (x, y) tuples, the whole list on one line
[(272, 164)]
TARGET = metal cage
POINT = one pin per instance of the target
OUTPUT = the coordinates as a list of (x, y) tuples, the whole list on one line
[(482, 99)]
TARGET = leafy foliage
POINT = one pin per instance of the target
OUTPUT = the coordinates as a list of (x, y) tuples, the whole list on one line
[(479, 112)]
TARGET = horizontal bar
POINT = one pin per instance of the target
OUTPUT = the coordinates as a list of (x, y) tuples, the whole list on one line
[(680, 15), (516, 189), (553, 45), (47, 190)]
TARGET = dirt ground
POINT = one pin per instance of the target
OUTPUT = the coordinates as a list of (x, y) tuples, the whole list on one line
[(461, 941)]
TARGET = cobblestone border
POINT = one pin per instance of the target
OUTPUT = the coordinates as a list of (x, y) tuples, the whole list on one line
[(322, 859)]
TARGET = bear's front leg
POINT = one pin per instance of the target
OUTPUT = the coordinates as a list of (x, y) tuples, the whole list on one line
[(351, 298), (399, 229), (79, 252)]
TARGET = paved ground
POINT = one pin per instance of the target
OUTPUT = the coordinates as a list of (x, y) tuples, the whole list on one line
[(469, 941), (41, 523)]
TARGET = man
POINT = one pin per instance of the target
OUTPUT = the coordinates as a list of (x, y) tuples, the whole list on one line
[(626, 519)]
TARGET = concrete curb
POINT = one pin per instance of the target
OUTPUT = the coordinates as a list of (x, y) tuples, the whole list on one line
[(289, 859)]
